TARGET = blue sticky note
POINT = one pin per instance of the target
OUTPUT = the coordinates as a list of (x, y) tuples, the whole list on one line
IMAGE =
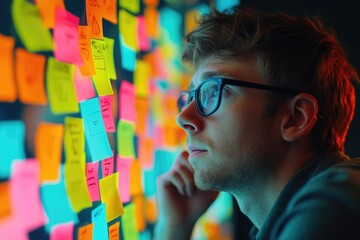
[(12, 142), (128, 56), (98, 218), (223, 5), (56, 203), (171, 24), (95, 133), (149, 182), (163, 161)]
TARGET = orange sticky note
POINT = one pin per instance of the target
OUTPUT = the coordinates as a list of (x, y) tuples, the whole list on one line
[(128, 29), (114, 231), (94, 14), (8, 87), (142, 115), (110, 10), (47, 10), (135, 179), (48, 140), (5, 206), (153, 3), (85, 232), (30, 69), (146, 148), (151, 210), (151, 15), (139, 202), (88, 68)]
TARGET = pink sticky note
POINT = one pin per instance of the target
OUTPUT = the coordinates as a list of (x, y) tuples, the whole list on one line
[(144, 42), (123, 167), (62, 231), (127, 102), (83, 86), (107, 166), (92, 180), (106, 110), (66, 37)]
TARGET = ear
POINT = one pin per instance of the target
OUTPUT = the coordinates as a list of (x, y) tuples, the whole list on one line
[(301, 117)]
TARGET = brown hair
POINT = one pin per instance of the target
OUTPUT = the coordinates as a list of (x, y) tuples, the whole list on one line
[(293, 52)]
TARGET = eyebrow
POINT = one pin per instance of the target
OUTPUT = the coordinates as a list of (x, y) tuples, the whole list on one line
[(211, 74)]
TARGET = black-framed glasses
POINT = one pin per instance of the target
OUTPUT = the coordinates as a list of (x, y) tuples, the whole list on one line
[(209, 93)]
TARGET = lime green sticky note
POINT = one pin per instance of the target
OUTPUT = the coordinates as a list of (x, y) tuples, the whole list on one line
[(128, 26), (128, 222), (109, 59), (29, 26), (125, 137), (61, 87), (101, 78), (133, 5)]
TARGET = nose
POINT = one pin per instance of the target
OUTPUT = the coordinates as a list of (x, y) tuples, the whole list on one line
[(189, 118)]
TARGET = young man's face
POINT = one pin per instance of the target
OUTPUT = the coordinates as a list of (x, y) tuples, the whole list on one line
[(233, 147)]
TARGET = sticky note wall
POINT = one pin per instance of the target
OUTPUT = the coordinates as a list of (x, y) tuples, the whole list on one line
[(87, 115)]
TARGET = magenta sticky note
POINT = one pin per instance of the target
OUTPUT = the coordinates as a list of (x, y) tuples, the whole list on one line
[(92, 179), (66, 37), (143, 38), (127, 102), (107, 166), (123, 167), (62, 231), (106, 110), (83, 86)]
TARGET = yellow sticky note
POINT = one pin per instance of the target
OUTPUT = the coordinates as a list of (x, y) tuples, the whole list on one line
[(85, 232), (101, 79), (47, 10), (61, 87), (141, 78), (135, 179), (29, 26), (114, 231), (30, 68), (88, 68), (129, 223), (128, 29), (109, 57), (109, 192), (131, 5), (8, 87), (48, 142), (139, 202), (76, 186), (5, 206), (125, 137), (74, 140)]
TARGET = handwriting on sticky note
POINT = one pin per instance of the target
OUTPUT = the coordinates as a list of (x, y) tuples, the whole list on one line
[(106, 110), (94, 14), (88, 68), (93, 180), (8, 88), (61, 89), (98, 217), (108, 166), (66, 37), (85, 232), (74, 140), (114, 231)]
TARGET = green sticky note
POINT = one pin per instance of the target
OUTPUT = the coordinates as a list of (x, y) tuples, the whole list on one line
[(125, 137), (109, 59), (128, 222), (30, 28)]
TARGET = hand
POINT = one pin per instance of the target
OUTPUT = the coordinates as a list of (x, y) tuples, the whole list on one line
[(180, 202)]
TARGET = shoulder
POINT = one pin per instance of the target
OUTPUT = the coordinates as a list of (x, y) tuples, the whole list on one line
[(326, 207)]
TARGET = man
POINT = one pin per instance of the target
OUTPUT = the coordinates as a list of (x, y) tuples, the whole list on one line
[(266, 116)]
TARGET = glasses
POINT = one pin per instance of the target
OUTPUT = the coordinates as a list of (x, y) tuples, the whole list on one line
[(208, 94)]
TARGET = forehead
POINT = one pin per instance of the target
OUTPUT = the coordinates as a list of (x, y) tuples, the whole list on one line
[(242, 68)]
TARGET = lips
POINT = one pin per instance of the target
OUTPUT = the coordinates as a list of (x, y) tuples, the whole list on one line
[(195, 151)]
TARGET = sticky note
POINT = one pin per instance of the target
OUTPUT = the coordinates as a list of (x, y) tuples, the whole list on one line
[(128, 222), (144, 41), (133, 6), (106, 111), (56, 203), (95, 134), (76, 186), (142, 115), (109, 57), (12, 140), (125, 138), (151, 15), (135, 179), (94, 18), (127, 102), (61, 87), (114, 231), (153, 3), (101, 79), (5, 206), (109, 192), (128, 56), (66, 37), (149, 182), (163, 160), (109, 10), (98, 218), (30, 69), (92, 180), (146, 149), (173, 27), (74, 140), (83, 86), (88, 68), (123, 167), (47, 10), (151, 211), (107, 166), (141, 78), (29, 26), (85, 232), (128, 29), (8, 88), (63, 231), (48, 143), (139, 202)]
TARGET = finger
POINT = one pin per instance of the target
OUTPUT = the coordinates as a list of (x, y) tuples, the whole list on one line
[(177, 181), (183, 160), (188, 179)]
